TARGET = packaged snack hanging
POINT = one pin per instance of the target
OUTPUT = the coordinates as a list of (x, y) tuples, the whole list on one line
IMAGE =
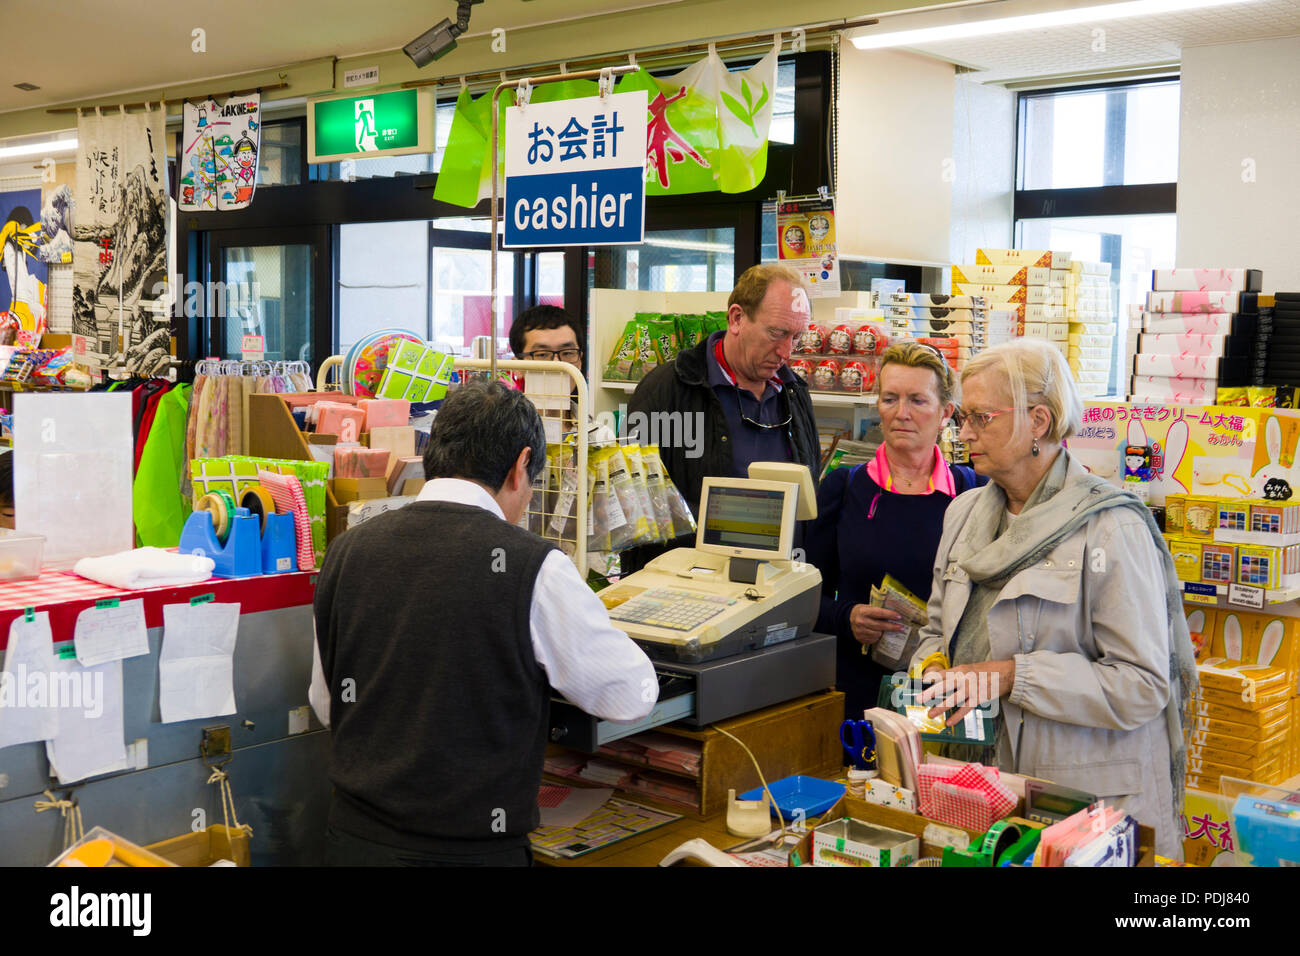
[(636, 472), (620, 482), (654, 479)]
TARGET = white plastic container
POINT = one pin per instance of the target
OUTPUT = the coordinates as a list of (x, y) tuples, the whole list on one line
[(20, 554)]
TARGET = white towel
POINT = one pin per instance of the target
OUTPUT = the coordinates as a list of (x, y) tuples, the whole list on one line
[(145, 568)]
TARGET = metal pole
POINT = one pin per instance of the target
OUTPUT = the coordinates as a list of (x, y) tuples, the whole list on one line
[(496, 120)]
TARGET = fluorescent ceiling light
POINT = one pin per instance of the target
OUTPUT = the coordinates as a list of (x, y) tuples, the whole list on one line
[(38, 149), (1031, 21), (692, 244)]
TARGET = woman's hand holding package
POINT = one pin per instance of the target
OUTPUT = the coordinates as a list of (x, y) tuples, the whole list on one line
[(963, 687), (871, 623)]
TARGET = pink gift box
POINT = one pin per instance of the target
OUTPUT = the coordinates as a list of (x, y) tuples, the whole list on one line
[(1207, 280), (355, 461), (335, 418), (385, 412)]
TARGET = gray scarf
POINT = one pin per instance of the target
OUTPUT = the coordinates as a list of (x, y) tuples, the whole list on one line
[(1041, 526)]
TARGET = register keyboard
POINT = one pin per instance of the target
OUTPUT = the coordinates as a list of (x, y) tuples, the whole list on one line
[(671, 608)]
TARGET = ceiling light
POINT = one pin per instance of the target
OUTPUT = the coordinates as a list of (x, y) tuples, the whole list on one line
[(38, 149), (1032, 21), (27, 86)]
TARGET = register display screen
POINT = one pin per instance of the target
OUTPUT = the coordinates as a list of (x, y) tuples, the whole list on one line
[(744, 518)]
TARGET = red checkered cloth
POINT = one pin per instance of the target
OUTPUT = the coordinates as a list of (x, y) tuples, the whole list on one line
[(54, 587), (985, 780), (927, 775), (286, 492), (551, 796), (960, 806)]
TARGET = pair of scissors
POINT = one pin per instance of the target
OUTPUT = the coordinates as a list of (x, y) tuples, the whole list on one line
[(858, 738)]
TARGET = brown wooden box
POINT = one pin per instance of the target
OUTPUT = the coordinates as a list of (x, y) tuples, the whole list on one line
[(799, 737), (273, 433), (205, 847)]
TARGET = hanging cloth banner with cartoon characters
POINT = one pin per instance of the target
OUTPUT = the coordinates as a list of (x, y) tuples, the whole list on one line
[(23, 272), (706, 130), (218, 154), (119, 243)]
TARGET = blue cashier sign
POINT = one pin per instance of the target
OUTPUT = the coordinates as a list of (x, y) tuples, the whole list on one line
[(575, 172)]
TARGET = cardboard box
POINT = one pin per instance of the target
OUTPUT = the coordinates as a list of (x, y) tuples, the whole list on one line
[(1218, 563), (850, 842), (1085, 268), (1042, 258), (997, 294), (901, 820), (938, 299), (1207, 280), (1187, 558), (1001, 275), (1173, 391), (359, 489), (1202, 323), (400, 442), (1207, 827), (1202, 302), (1190, 343)]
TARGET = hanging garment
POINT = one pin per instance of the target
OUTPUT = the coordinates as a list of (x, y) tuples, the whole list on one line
[(160, 509), (201, 382), (198, 158), (235, 415), (147, 415)]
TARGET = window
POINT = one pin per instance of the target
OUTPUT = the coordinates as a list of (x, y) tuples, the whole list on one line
[(280, 160), (382, 279), (670, 260), (1096, 177)]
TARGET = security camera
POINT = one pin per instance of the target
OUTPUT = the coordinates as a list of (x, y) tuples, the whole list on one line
[(441, 40)]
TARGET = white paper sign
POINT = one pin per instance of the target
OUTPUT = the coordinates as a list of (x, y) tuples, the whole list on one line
[(1245, 596), (90, 738), (106, 634), (25, 711), (362, 76), (196, 672)]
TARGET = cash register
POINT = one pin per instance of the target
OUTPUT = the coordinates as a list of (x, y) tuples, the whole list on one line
[(727, 623)]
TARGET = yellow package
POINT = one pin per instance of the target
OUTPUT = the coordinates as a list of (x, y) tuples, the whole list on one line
[(1220, 727), (1234, 515), (1187, 558), (1221, 705), (1262, 396), (1247, 747), (1232, 396), (1257, 639), (1259, 566), (1200, 516), (1218, 563), (1175, 505), (1282, 518), (1220, 674), (629, 498)]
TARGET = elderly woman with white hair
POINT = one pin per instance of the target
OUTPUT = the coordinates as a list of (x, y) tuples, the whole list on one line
[(1055, 595)]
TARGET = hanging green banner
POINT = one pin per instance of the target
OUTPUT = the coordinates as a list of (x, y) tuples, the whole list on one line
[(706, 130)]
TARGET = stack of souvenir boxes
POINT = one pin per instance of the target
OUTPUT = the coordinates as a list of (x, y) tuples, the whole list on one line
[(1091, 317), (962, 319), (1028, 283), (1281, 352), (1187, 367), (1239, 724)]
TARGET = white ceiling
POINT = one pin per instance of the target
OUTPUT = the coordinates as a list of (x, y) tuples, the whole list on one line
[(81, 49), (1129, 43)]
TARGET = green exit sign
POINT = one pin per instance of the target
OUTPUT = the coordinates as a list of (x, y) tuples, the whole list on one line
[(369, 124)]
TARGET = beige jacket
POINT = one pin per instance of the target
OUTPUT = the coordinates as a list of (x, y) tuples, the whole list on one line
[(1088, 630)]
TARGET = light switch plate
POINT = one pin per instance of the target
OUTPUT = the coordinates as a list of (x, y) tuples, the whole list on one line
[(299, 720)]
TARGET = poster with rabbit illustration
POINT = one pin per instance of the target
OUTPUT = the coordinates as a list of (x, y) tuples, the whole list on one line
[(1157, 450)]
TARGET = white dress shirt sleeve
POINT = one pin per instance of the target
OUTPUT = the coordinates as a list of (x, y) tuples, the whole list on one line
[(592, 663), (318, 694)]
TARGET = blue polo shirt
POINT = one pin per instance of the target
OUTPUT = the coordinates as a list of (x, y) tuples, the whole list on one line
[(749, 442)]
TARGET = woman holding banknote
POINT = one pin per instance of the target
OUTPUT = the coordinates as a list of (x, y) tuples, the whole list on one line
[(1055, 597), (885, 517)]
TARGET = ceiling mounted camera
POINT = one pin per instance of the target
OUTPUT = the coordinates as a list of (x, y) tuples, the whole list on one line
[(441, 40)]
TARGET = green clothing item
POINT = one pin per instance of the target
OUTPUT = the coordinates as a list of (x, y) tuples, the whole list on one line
[(160, 512)]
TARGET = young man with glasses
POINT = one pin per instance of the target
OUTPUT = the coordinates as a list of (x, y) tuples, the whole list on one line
[(547, 333), (749, 405)]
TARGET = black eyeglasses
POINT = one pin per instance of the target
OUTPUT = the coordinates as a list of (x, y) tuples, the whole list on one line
[(547, 355), (789, 416)]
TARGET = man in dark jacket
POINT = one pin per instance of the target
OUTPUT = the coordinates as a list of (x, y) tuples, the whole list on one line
[(732, 394)]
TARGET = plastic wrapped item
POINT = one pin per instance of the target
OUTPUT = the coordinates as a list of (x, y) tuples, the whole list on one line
[(654, 479), (619, 367), (621, 532), (840, 341), (663, 335), (870, 338), (73, 468), (636, 471), (826, 375), (563, 518), (99, 848), (683, 520), (20, 555), (812, 340), (620, 481), (856, 377), (803, 368)]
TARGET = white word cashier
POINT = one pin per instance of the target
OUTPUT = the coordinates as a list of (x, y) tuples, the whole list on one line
[(576, 212)]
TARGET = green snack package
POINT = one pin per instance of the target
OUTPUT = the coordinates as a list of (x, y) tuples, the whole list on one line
[(619, 367), (666, 343), (646, 359), (715, 322), (690, 330)]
